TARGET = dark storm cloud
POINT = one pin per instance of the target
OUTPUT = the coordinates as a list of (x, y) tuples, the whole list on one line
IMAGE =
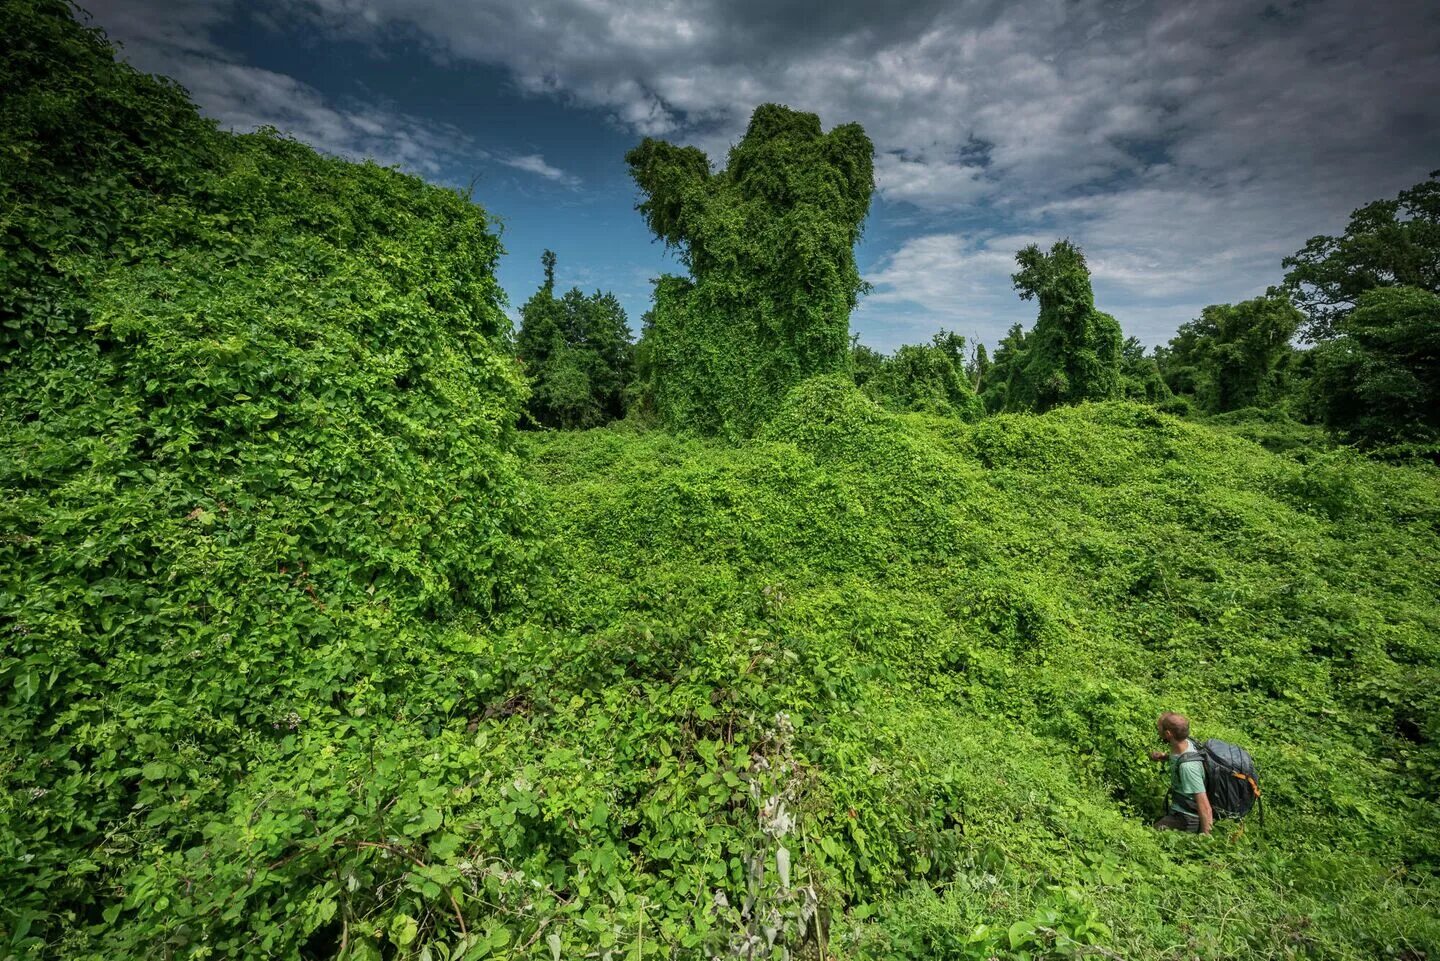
[(1186, 146)]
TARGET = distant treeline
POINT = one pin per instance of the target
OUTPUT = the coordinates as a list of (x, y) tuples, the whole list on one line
[(1349, 339)]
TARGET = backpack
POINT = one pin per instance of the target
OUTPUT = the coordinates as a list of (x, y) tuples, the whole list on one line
[(1231, 782)]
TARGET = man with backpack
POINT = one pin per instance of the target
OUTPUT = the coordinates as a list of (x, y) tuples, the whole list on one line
[(1189, 802)]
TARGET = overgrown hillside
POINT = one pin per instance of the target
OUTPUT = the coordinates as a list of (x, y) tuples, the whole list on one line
[(304, 654), (971, 629)]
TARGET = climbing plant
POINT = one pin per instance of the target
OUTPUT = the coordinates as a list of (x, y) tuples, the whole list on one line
[(1073, 353), (769, 244), (256, 449)]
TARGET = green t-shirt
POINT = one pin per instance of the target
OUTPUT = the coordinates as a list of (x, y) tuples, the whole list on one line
[(1187, 779)]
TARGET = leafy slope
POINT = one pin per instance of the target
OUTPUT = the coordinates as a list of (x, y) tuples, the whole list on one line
[(280, 675), (972, 629)]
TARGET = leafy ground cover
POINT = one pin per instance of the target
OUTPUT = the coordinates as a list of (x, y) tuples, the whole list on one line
[(307, 654), (971, 628)]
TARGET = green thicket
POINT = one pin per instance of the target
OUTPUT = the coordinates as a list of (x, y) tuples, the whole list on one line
[(1072, 354), (1234, 355), (255, 455), (930, 378), (577, 355), (769, 244), (970, 629), (1378, 380), (296, 663)]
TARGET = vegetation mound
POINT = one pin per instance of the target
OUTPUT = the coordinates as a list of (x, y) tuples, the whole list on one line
[(297, 664), (970, 629), (257, 443)]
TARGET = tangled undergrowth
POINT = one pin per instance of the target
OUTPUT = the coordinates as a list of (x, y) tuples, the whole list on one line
[(305, 654), (972, 628)]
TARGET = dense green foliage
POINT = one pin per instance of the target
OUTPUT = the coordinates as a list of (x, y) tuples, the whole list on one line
[(1234, 355), (255, 451), (298, 662), (930, 378), (1388, 243), (1378, 380), (970, 629), (577, 355), (769, 242), (1140, 376), (1072, 354)]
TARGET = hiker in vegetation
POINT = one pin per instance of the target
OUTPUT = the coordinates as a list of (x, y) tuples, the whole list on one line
[(1189, 804)]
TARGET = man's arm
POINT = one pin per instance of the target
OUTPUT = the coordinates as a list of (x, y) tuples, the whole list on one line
[(1207, 816)]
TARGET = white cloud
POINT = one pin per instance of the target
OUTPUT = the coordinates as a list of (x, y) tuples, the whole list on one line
[(933, 184), (535, 164), (946, 280), (1186, 147)]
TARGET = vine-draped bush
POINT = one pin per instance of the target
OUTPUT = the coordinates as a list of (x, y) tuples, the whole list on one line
[(257, 438)]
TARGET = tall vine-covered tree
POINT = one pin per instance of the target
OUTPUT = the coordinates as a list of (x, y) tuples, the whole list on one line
[(1388, 243), (1003, 369), (769, 243), (577, 353), (1073, 354), (1234, 355)]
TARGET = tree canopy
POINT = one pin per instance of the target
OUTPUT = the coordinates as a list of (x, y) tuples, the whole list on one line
[(769, 243), (1378, 380), (577, 354), (1234, 355), (1387, 243)]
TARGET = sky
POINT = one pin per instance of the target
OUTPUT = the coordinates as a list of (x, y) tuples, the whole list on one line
[(1187, 147)]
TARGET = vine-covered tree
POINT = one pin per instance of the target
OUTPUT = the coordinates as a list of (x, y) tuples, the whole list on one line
[(1378, 380), (1234, 355), (1003, 369), (577, 354), (865, 362), (769, 243), (1073, 352), (1140, 377), (1388, 243)]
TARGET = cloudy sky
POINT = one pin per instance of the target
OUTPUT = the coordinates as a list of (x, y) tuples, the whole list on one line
[(1186, 146)]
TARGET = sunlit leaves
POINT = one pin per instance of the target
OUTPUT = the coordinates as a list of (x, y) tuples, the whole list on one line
[(769, 241)]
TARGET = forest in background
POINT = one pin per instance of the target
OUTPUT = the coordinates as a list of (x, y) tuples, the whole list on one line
[(1346, 343), (310, 650)]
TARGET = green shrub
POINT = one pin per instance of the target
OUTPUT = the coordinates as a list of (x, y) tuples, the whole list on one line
[(257, 445)]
